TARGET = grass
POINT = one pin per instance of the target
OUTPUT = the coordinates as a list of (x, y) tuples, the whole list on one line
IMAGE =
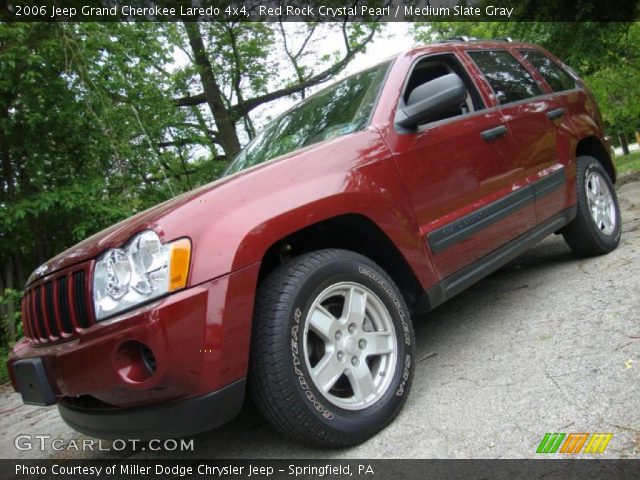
[(628, 163)]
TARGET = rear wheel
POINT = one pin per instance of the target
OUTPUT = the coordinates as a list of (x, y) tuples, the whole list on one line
[(597, 226), (332, 349)]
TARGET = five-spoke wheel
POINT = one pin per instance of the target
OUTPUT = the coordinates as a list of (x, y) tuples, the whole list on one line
[(332, 348), (350, 345), (601, 202)]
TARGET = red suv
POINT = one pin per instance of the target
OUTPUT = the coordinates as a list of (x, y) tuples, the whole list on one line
[(296, 276)]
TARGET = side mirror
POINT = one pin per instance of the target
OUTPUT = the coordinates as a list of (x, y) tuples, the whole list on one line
[(431, 99)]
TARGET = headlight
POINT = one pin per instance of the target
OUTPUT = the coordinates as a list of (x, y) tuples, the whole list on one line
[(140, 271)]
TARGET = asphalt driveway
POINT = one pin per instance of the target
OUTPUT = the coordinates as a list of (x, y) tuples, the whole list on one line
[(549, 343)]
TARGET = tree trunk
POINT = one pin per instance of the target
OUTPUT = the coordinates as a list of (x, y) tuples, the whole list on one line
[(224, 122), (622, 137), (9, 175), (7, 167), (246, 119), (3, 308), (20, 277)]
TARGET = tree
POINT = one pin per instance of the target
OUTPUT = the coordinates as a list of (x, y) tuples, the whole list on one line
[(99, 121), (75, 156), (237, 54), (617, 87)]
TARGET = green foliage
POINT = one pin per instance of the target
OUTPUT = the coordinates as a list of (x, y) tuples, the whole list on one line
[(9, 301), (618, 94), (628, 163), (10, 298), (616, 84), (4, 372)]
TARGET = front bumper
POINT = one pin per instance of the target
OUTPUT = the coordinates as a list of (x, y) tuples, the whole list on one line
[(199, 338), (170, 420)]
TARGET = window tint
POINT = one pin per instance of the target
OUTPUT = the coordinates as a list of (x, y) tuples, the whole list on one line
[(552, 73), (509, 80)]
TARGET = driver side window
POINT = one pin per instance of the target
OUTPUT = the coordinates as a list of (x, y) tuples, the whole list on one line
[(433, 67)]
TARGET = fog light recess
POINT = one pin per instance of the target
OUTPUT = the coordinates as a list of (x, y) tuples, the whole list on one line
[(135, 362), (148, 358)]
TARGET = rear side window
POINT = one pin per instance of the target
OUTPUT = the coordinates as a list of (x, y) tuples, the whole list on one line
[(552, 73), (509, 80)]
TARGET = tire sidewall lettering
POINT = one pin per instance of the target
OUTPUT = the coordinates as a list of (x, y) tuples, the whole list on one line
[(297, 364), (406, 375), (381, 282), (394, 299)]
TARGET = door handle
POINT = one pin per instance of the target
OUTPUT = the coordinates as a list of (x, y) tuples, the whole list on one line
[(556, 113), (493, 133)]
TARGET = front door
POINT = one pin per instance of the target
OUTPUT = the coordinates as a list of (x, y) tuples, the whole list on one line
[(467, 189)]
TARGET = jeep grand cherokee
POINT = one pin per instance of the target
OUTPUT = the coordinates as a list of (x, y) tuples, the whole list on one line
[(297, 275)]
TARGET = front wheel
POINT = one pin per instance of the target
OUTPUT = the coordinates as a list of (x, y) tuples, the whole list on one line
[(332, 349), (597, 226)]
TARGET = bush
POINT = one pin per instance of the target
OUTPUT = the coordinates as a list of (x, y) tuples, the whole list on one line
[(10, 327)]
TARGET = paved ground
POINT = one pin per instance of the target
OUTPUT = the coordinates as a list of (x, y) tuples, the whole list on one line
[(550, 343)]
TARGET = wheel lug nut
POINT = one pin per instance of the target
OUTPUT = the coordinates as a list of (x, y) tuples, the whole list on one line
[(352, 328), (340, 356), (362, 344), (338, 335), (354, 361)]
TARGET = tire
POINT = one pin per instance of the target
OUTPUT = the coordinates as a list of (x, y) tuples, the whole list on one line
[(597, 227), (305, 338)]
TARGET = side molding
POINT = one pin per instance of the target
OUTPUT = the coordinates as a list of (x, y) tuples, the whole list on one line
[(464, 227), (456, 283)]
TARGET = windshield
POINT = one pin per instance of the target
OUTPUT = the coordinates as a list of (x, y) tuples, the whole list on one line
[(338, 110)]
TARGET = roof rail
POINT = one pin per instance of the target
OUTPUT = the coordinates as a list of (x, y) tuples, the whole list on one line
[(460, 38), (464, 38)]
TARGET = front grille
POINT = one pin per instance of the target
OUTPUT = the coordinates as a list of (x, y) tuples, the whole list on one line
[(56, 308)]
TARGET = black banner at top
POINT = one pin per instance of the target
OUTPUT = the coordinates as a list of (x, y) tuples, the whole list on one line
[(319, 10)]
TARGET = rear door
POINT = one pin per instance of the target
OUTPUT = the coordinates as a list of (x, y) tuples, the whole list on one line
[(566, 104), (464, 184), (530, 114)]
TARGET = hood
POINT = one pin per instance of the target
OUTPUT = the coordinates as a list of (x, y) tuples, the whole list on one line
[(152, 218)]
